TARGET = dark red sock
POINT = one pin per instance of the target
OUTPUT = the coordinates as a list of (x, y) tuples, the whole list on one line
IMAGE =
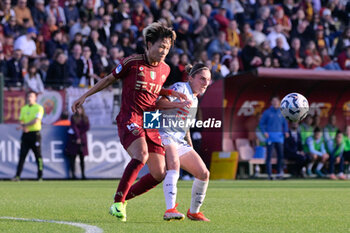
[(146, 183), (128, 178)]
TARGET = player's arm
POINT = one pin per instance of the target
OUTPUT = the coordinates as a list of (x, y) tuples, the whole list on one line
[(165, 103), (188, 138), (100, 85), (173, 93)]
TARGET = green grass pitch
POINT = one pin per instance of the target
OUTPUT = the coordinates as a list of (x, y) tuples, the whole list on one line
[(232, 206)]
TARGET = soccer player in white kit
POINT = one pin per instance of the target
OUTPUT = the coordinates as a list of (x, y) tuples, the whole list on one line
[(178, 145)]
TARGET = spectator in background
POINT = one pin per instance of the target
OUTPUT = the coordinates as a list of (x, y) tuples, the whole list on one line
[(14, 69), (316, 151), (257, 33), (49, 27), (217, 66), (86, 70), (233, 37), (103, 66), (236, 9), (38, 13), (344, 59), (346, 153), (87, 8), (330, 130), (303, 32), (93, 43), (71, 12), (32, 80), (175, 73), (275, 129), (312, 52), (126, 45), (293, 150), (265, 50), (277, 33), (221, 19), (113, 41), (22, 13), (55, 43), (30, 123), (184, 38), (57, 74), (343, 42), (290, 8), (6, 11), (77, 141), (11, 29), (219, 45), (296, 53), (281, 54), (105, 31), (115, 56), (280, 18), (233, 68), (335, 149), (203, 34), (74, 62), (250, 55), (264, 15), (26, 43), (3, 64), (53, 9), (138, 16), (329, 24), (82, 26), (189, 10)]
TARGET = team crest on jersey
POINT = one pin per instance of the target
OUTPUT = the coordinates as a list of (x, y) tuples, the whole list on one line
[(118, 69), (141, 68), (153, 75)]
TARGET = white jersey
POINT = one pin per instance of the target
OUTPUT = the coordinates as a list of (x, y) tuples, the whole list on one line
[(176, 122)]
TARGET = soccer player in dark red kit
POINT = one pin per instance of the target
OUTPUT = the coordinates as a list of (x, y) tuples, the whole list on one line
[(143, 77)]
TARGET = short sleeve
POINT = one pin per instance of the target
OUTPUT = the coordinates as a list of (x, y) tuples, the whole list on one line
[(120, 70), (40, 113), (21, 114)]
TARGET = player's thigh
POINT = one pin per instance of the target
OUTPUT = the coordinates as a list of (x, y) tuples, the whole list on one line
[(138, 150), (156, 166), (172, 157), (193, 163)]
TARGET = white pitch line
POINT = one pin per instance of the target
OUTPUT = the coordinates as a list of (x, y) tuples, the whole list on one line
[(86, 227)]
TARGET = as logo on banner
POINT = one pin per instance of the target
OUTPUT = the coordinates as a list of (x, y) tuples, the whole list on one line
[(251, 108), (151, 120), (346, 108), (320, 108), (52, 103)]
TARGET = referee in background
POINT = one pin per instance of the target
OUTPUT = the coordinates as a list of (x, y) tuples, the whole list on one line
[(30, 120)]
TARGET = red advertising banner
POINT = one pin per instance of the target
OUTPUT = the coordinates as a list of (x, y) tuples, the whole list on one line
[(52, 101)]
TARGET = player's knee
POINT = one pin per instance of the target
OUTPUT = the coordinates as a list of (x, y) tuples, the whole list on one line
[(204, 175), (159, 175), (142, 156)]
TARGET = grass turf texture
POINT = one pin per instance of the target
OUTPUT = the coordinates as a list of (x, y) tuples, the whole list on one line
[(232, 206)]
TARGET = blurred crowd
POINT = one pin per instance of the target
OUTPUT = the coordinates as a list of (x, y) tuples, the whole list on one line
[(60, 43)]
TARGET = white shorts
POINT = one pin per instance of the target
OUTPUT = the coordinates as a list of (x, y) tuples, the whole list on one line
[(182, 148)]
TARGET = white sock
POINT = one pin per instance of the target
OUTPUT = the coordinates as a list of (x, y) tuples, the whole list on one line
[(319, 166), (169, 188), (199, 188), (309, 166)]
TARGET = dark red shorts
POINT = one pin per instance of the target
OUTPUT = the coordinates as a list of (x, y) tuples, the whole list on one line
[(129, 132)]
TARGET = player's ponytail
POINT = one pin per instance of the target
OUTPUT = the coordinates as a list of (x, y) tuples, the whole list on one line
[(192, 70)]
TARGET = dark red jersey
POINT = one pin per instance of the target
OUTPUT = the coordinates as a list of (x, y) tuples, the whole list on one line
[(142, 83)]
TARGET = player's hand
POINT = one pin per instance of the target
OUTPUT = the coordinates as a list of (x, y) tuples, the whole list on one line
[(179, 95), (287, 135), (187, 103), (78, 141), (20, 127), (266, 135), (77, 104)]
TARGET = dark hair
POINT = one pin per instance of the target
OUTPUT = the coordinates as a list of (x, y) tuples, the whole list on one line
[(317, 129), (192, 70), (30, 92), (156, 31)]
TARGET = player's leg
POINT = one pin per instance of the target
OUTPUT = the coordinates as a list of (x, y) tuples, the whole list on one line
[(321, 161), (170, 183), (82, 165), (192, 163), (25, 146), (139, 153), (72, 164), (268, 159), (341, 168), (280, 158), (331, 168), (36, 148), (312, 159)]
